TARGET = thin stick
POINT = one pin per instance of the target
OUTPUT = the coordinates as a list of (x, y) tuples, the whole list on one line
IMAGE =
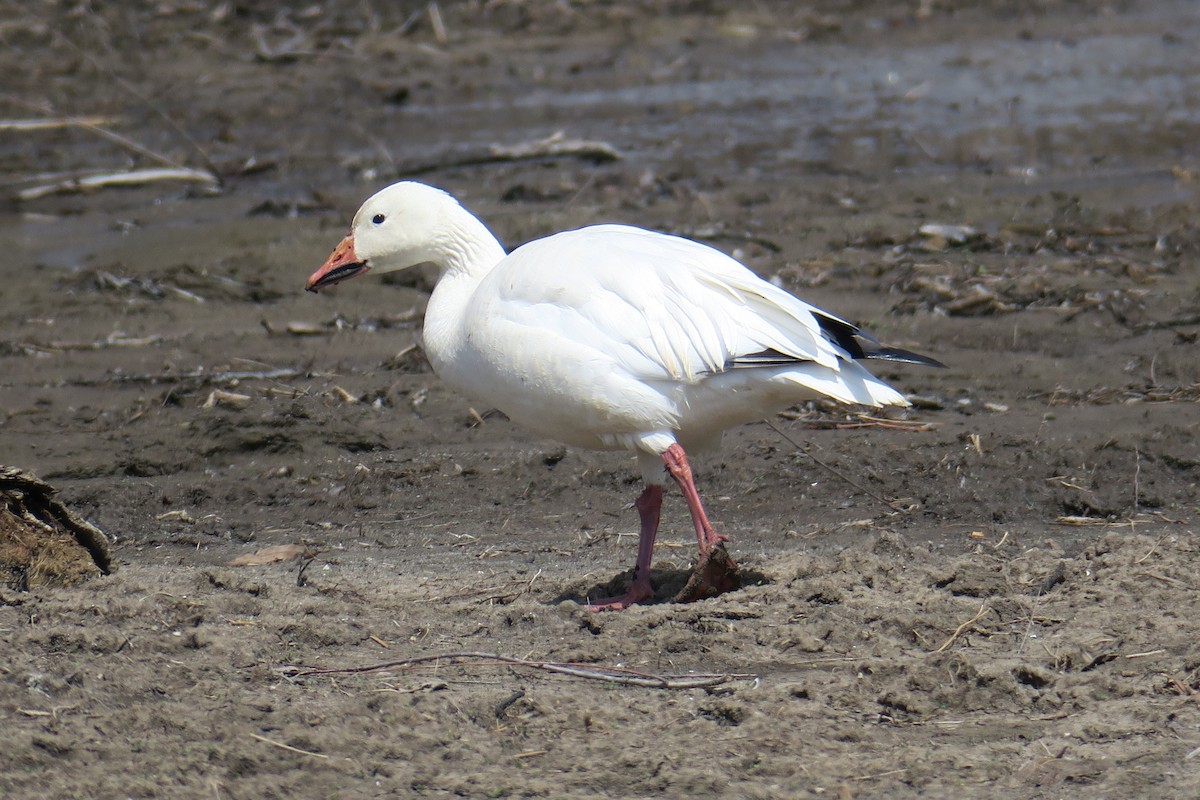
[(879, 775), (137, 177), (435, 22), (1033, 605), (610, 674), (531, 754), (126, 142), (1146, 654), (201, 375), (554, 146), (54, 123), (983, 609), (891, 504), (1137, 473), (1176, 322), (95, 125), (1150, 552), (114, 340), (283, 746), (860, 421)]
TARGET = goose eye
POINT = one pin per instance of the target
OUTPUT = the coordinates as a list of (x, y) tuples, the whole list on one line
[(378, 219)]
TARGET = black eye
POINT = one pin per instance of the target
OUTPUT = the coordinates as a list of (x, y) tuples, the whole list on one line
[(378, 219)]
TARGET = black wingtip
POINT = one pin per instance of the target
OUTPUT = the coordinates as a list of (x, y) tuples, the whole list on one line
[(860, 344), (903, 356)]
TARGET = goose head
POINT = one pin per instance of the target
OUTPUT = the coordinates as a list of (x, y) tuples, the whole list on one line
[(399, 227)]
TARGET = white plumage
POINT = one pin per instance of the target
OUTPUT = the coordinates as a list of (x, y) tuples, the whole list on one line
[(612, 337)]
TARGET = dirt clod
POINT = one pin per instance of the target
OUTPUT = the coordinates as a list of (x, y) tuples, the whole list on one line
[(42, 543)]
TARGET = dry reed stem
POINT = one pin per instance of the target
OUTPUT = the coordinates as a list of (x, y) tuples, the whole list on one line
[(983, 609), (556, 145), (50, 123), (609, 674), (137, 177), (288, 747)]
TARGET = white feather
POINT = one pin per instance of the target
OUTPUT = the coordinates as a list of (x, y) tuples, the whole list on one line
[(608, 336)]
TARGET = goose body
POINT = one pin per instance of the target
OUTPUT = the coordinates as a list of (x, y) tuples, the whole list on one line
[(613, 337)]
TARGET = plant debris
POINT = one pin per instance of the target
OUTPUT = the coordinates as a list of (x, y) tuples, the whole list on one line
[(42, 543)]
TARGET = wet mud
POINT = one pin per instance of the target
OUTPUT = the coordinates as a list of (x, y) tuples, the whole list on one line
[(989, 594)]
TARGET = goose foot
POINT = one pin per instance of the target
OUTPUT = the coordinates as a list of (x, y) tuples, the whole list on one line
[(638, 591)]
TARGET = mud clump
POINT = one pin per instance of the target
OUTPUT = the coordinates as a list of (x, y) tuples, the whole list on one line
[(42, 543)]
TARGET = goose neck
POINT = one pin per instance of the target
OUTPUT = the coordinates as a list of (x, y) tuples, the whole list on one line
[(470, 249)]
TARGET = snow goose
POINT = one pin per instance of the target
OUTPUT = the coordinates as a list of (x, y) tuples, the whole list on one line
[(614, 337)]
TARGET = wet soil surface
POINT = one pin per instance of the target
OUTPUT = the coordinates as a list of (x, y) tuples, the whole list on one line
[(990, 594)]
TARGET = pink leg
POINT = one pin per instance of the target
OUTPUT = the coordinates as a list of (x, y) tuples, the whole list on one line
[(715, 573), (649, 506), (681, 471)]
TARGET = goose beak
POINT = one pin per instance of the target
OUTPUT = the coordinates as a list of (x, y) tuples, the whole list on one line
[(341, 265)]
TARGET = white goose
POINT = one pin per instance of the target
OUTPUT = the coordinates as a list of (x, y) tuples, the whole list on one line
[(614, 337)]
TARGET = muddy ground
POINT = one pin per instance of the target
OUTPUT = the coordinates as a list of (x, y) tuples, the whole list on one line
[(1020, 622)]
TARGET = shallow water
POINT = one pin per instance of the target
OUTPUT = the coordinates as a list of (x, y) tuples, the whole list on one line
[(1029, 105)]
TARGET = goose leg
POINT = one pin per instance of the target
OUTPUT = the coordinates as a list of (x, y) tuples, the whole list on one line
[(677, 464), (649, 506), (715, 572)]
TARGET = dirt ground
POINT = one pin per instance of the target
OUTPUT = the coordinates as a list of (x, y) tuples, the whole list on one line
[(1009, 187)]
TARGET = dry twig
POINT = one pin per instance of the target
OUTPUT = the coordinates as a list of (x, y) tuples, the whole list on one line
[(49, 123), (435, 22), (556, 145), (598, 672), (983, 609), (202, 376), (288, 747), (859, 420), (136, 177)]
